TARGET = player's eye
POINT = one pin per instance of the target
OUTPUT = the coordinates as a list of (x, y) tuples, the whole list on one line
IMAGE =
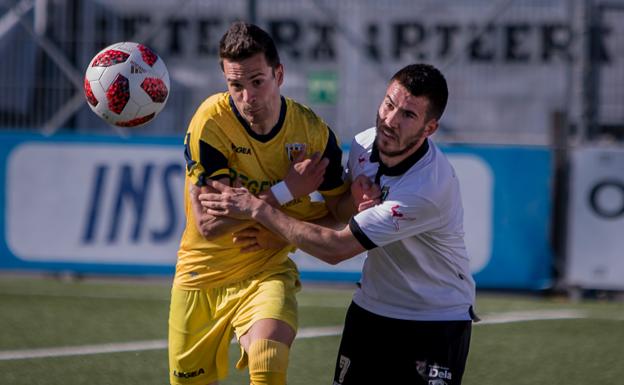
[(257, 82)]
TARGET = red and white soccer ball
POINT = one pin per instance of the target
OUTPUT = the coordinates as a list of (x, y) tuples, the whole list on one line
[(126, 84)]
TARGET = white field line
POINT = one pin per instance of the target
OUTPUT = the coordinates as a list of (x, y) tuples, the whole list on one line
[(302, 303), (132, 346), (498, 318), (85, 296), (82, 350), (532, 315)]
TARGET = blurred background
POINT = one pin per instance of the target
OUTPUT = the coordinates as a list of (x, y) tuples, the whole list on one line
[(534, 126)]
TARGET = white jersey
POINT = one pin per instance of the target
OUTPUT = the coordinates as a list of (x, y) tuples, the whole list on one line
[(417, 267)]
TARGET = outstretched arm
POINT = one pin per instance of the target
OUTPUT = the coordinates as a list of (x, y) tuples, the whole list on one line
[(303, 177), (329, 245)]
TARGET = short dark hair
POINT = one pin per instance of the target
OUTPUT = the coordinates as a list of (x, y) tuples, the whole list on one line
[(425, 80), (243, 40)]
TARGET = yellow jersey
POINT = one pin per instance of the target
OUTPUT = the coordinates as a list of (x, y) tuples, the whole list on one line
[(220, 143)]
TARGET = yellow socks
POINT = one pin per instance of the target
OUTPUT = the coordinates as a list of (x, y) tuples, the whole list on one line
[(268, 361)]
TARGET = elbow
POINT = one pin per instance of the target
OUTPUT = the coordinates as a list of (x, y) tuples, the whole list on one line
[(206, 234), (334, 261), (334, 249), (207, 231), (333, 257)]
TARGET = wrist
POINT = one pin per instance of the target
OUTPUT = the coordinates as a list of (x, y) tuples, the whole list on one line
[(258, 208)]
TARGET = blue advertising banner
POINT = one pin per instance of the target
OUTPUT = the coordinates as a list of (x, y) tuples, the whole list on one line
[(108, 205), (521, 210), (91, 204)]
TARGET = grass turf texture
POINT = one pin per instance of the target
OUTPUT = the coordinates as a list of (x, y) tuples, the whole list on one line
[(47, 313)]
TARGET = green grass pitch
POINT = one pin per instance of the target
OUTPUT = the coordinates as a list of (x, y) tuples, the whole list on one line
[(522, 340)]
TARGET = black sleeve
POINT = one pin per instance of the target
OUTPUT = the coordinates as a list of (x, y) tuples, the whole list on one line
[(190, 162), (360, 236), (333, 174), (212, 160)]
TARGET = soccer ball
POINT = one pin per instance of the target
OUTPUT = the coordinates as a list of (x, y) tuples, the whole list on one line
[(126, 84)]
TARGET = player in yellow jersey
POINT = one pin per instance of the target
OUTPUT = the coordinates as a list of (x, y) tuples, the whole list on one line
[(244, 285)]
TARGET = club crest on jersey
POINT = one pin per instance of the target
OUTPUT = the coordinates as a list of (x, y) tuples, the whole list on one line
[(294, 149)]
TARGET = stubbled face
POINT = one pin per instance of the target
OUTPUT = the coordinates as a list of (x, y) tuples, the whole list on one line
[(402, 124), (254, 86)]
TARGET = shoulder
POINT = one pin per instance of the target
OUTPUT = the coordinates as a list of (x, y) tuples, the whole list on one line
[(440, 162), (364, 139), (362, 144), (211, 114), (306, 122), (214, 106), (432, 178)]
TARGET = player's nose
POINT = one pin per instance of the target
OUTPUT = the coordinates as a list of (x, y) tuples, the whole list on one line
[(249, 96), (392, 119)]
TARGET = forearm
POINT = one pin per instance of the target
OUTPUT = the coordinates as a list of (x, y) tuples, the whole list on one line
[(211, 227), (322, 242), (329, 222), (329, 245)]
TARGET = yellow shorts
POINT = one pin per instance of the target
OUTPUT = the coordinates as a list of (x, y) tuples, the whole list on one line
[(202, 322)]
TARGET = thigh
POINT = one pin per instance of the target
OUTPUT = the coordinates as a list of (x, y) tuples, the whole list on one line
[(362, 355), (376, 349), (440, 350), (270, 298), (198, 340)]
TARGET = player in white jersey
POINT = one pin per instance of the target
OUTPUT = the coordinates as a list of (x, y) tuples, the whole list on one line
[(410, 321)]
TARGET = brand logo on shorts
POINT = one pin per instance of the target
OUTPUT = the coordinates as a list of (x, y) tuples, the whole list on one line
[(433, 374), (437, 375), (192, 374), (294, 149)]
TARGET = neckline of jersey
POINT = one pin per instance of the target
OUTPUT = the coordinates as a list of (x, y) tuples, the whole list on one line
[(403, 166), (259, 137)]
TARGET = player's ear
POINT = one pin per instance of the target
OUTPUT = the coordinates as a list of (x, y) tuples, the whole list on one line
[(431, 126), (279, 74)]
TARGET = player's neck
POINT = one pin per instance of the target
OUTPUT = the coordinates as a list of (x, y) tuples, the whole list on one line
[(264, 127), (391, 161)]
